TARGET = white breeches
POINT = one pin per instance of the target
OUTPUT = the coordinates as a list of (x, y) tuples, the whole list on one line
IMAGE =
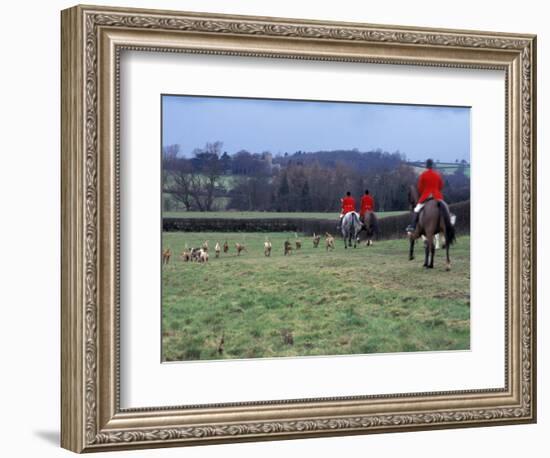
[(419, 207)]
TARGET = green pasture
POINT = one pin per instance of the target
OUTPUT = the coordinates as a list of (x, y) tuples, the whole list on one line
[(259, 214), (227, 182), (447, 168), (313, 302)]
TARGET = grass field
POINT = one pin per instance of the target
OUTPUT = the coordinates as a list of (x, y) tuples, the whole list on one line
[(249, 215), (363, 300)]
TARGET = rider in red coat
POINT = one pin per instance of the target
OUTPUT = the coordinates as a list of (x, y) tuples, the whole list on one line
[(430, 184), (348, 204), (367, 204)]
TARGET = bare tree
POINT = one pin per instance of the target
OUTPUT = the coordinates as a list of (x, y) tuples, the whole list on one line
[(211, 172), (193, 182), (179, 183), (205, 174), (170, 151)]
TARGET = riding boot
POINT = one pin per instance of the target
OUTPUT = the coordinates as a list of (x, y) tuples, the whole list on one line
[(412, 227)]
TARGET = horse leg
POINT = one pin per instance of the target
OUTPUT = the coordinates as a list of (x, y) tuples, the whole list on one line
[(411, 249), (344, 237), (432, 254), (427, 252), (448, 266)]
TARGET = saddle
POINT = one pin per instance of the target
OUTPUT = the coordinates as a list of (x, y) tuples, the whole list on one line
[(430, 197)]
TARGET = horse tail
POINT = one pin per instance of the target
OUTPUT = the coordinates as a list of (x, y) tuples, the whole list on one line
[(356, 221), (450, 235)]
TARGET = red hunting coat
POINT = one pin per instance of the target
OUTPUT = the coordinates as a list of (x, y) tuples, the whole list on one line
[(430, 183), (367, 204), (348, 205)]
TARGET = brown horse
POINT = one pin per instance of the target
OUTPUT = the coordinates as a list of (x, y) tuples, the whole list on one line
[(435, 218), (370, 226)]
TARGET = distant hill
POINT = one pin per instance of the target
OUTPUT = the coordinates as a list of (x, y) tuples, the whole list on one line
[(298, 182), (372, 161)]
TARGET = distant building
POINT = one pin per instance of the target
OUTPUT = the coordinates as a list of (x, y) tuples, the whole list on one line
[(267, 157)]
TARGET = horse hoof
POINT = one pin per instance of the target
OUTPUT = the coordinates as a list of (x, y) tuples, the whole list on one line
[(411, 258)]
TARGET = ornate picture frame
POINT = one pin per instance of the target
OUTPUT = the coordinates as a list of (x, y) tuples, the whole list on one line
[(92, 41)]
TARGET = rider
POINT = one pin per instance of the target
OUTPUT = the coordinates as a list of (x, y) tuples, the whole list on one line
[(429, 185), (367, 204), (348, 205)]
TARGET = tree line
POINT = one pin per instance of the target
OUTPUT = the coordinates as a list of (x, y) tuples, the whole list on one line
[(306, 182)]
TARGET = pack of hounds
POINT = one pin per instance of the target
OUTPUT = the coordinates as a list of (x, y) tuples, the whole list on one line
[(201, 254)]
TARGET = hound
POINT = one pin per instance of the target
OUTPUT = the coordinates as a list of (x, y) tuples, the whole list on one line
[(217, 249), (195, 254), (267, 248), (240, 247), (329, 241), (288, 247), (186, 255), (166, 256), (225, 247), (203, 255), (298, 242), (316, 240)]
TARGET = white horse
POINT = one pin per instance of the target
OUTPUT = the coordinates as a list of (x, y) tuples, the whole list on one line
[(351, 225)]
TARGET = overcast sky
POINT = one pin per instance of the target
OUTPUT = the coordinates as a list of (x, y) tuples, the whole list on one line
[(280, 126)]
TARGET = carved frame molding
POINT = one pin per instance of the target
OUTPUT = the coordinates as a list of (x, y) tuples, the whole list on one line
[(92, 39)]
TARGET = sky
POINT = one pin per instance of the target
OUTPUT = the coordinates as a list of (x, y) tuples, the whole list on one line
[(279, 126)]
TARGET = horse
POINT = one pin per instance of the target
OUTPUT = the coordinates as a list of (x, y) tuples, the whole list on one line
[(370, 226), (351, 226), (434, 218)]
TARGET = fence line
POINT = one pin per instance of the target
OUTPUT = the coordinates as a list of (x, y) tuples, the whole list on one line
[(391, 227)]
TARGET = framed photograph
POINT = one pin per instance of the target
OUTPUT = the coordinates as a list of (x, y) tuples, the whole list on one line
[(278, 228)]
